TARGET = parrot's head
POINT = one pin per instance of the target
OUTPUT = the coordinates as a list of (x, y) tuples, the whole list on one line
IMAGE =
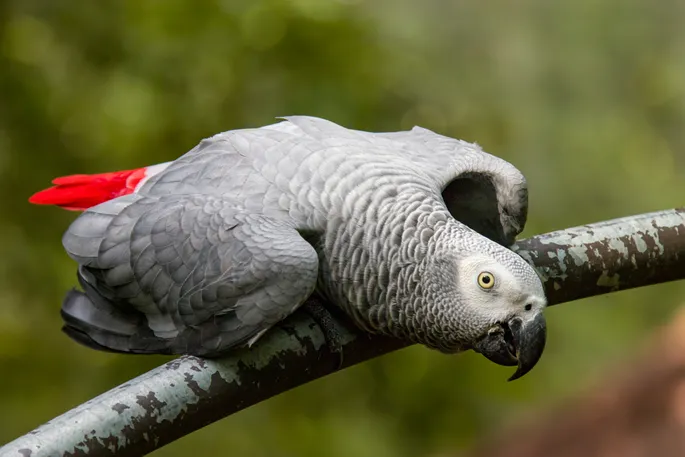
[(491, 300)]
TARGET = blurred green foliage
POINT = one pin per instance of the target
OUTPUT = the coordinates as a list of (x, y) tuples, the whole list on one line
[(586, 97)]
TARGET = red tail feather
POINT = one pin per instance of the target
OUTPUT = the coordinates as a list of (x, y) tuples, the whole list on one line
[(80, 192)]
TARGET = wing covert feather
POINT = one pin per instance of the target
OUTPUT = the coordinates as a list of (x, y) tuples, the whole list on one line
[(206, 275)]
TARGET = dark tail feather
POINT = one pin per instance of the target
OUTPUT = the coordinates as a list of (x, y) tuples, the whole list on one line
[(84, 339), (107, 329)]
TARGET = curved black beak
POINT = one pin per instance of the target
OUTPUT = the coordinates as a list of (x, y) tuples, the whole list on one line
[(516, 342)]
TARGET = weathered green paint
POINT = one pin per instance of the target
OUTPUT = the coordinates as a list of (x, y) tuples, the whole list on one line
[(136, 416), (608, 256), (189, 393)]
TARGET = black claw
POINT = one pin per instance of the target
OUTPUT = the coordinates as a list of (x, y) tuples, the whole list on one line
[(496, 347), (326, 322)]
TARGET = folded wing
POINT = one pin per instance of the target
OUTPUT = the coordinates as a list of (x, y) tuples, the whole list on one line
[(183, 274)]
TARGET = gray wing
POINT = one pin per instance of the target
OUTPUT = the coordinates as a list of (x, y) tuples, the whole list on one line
[(493, 204), (190, 274), (485, 192)]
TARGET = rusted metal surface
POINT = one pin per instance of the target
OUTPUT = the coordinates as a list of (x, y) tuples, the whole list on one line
[(189, 393)]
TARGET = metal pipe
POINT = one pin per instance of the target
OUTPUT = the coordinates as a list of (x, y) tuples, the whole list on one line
[(188, 393)]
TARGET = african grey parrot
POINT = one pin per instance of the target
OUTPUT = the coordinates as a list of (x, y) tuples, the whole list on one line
[(406, 232)]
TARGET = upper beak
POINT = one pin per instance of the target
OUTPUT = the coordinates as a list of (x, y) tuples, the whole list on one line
[(516, 342)]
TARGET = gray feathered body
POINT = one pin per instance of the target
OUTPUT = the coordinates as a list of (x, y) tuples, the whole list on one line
[(234, 235)]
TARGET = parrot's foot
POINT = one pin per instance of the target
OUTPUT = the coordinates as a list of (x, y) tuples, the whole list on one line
[(326, 322)]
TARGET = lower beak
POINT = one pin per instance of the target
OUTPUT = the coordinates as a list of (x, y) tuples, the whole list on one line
[(517, 342)]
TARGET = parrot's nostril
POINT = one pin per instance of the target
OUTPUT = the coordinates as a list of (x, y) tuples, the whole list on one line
[(528, 307)]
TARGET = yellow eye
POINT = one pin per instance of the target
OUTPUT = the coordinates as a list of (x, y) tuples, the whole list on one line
[(486, 280)]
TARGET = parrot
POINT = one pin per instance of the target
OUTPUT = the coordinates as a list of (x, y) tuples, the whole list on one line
[(407, 233)]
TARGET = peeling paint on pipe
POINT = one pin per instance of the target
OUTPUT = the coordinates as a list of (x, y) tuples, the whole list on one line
[(188, 393), (609, 256)]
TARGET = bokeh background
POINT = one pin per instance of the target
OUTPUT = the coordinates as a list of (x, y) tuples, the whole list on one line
[(586, 97)]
